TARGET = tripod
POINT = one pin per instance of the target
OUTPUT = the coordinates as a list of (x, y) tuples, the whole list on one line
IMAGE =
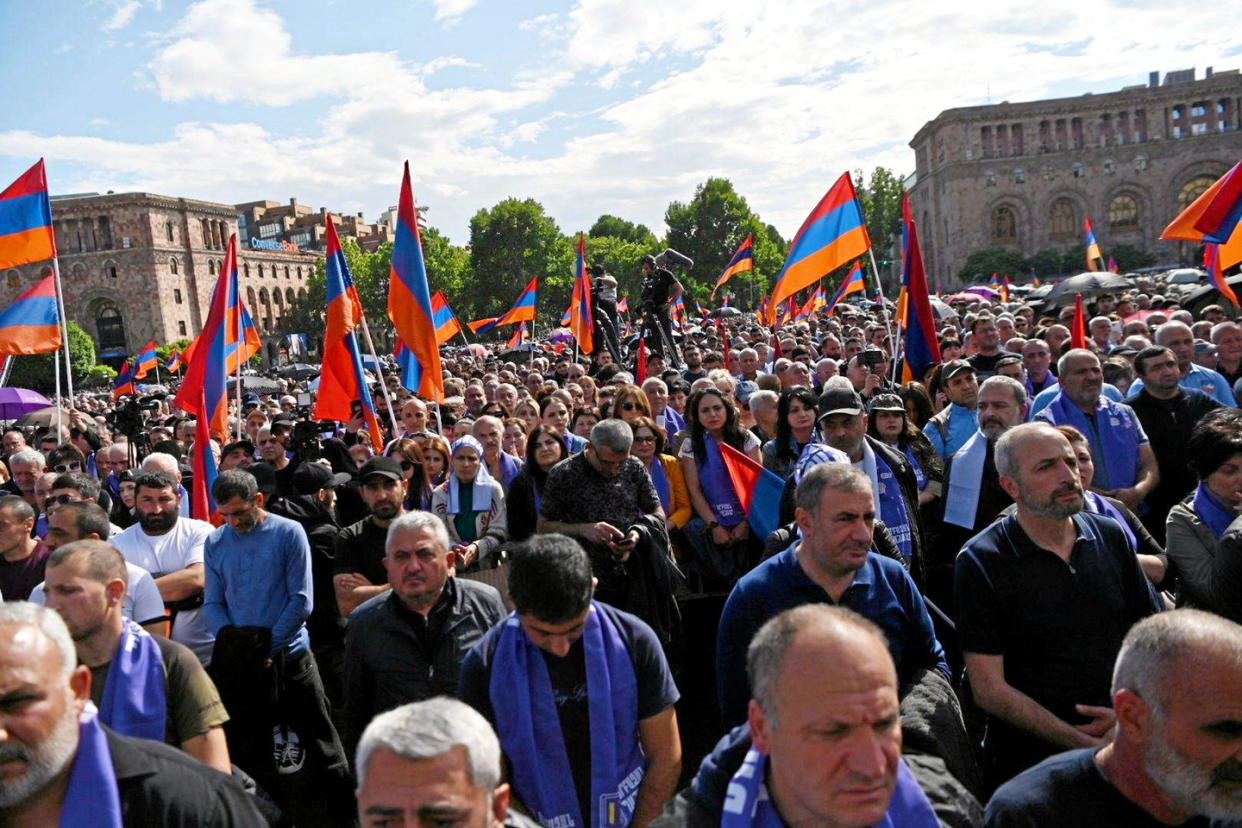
[(656, 329)]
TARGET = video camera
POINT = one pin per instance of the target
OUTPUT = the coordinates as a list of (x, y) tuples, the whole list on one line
[(670, 259)]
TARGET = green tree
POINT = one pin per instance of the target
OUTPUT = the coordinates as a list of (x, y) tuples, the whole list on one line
[(992, 260), (710, 227), (37, 371), (448, 265), (881, 205), (1131, 258), (1044, 263), (608, 225), (164, 352), (370, 274), (1074, 260), (510, 244), (620, 257)]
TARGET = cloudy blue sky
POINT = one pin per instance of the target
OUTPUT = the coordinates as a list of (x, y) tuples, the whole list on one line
[(589, 106)]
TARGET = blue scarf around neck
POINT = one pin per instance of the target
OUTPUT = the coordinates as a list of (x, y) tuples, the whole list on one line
[(1212, 512), (892, 505), (92, 799), (748, 804), (530, 727), (920, 478), (660, 478), (1099, 504), (1113, 438), (133, 702)]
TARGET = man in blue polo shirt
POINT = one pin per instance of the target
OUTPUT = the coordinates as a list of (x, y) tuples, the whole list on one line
[(1177, 337), (832, 563), (1044, 598), (1125, 465)]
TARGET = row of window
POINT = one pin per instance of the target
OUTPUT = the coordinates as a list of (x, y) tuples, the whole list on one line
[(84, 235), (1064, 222)]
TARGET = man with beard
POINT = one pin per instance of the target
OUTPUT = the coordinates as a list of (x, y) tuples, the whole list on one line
[(1125, 465), (170, 547), (1174, 757), (1044, 598), (61, 766), (360, 573)]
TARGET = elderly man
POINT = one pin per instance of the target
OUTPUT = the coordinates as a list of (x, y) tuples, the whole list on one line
[(957, 422), (25, 466), (1177, 337), (502, 466), (408, 645), (170, 547), (1125, 465), (414, 417), (1227, 337), (843, 422), (432, 761), (1173, 758), (63, 767), (1043, 599), (823, 735), (86, 584), (665, 415), (1037, 360), (596, 496), (22, 557), (563, 654), (831, 563)]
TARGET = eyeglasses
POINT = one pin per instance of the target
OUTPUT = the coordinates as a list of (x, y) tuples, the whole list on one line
[(406, 465), (629, 406), (647, 439), (61, 468), (60, 500)]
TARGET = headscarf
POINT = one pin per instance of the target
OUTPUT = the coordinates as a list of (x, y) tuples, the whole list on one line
[(482, 499)]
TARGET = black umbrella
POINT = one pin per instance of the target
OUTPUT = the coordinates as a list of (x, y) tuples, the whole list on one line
[(721, 313), (297, 371), (1088, 284), (1200, 298), (259, 385)]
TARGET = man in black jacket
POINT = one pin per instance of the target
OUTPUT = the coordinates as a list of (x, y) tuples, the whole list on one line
[(67, 768), (1168, 413), (843, 422), (408, 644)]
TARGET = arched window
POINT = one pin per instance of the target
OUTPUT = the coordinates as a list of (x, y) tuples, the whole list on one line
[(172, 266), (168, 230), (1123, 213), (277, 298), (110, 326), (1192, 189), (289, 297), (287, 272), (246, 268), (250, 298), (1062, 219), (302, 295), (13, 278), (110, 269), (1004, 226), (211, 267)]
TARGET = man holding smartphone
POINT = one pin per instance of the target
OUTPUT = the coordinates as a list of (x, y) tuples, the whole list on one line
[(867, 371)]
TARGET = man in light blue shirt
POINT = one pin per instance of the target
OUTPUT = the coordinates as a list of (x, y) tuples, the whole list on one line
[(957, 422), (259, 576), (1177, 337)]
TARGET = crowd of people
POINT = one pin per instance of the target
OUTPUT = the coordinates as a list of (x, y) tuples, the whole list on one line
[(1004, 593)]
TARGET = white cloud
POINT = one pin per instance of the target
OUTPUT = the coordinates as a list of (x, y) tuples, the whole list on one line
[(450, 11), (122, 16)]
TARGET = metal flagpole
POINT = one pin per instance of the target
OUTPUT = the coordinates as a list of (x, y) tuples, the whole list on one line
[(392, 417), (64, 328), (59, 408), (241, 339)]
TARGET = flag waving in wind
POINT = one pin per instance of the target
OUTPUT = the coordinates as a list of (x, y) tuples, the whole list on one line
[(409, 300), (1211, 261), (447, 324), (1095, 258), (581, 320), (343, 391), (742, 261), (31, 324), (832, 234), (853, 283), (921, 347), (519, 338), (1214, 217), (204, 383), (523, 309), (174, 363), (147, 360), (124, 382), (26, 220)]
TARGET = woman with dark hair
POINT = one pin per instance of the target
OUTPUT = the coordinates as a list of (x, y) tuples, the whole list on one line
[(544, 449), (514, 441), (665, 471), (918, 403), (553, 412), (418, 488), (583, 421), (795, 427), (888, 422), (719, 533), (1195, 526)]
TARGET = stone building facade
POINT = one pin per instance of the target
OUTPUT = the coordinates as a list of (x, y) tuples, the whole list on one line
[(139, 266), (272, 225), (1024, 176)]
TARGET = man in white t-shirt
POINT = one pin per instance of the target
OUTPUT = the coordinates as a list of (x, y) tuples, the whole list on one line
[(170, 547), (88, 521)]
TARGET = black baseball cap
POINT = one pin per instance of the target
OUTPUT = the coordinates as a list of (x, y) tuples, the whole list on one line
[(385, 466), (310, 476), (839, 401)]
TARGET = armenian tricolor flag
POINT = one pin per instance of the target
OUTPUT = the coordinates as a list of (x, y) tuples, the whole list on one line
[(520, 336), (124, 382), (26, 220), (1211, 261), (742, 261), (832, 234), (523, 309), (205, 471), (482, 326), (343, 387), (622, 307), (147, 360), (409, 300), (819, 299), (447, 325), (31, 325), (581, 320), (855, 282), (920, 345), (757, 489), (205, 380), (1112, 265), (174, 362), (1095, 258), (1214, 217)]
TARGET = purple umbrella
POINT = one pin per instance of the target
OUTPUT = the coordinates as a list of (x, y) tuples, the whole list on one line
[(561, 335), (14, 402), (985, 292)]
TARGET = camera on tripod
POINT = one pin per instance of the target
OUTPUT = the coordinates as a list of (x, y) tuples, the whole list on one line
[(670, 259)]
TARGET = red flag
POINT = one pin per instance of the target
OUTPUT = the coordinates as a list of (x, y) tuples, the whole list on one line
[(723, 330), (1078, 331), (640, 370)]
